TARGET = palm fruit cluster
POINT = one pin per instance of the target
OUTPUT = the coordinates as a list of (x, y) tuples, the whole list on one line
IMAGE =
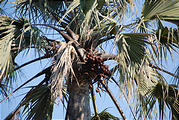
[(95, 67)]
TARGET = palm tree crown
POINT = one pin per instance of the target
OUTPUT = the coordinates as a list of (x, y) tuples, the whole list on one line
[(91, 33)]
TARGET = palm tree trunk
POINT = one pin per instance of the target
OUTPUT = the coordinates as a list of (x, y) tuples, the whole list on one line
[(78, 105)]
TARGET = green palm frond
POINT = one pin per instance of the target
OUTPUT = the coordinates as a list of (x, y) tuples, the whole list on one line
[(95, 20), (166, 95), (36, 10), (167, 40), (145, 79), (164, 9), (105, 116), (131, 47), (16, 35), (157, 95), (146, 107), (133, 68), (168, 36), (7, 34), (141, 77), (39, 105), (163, 40)]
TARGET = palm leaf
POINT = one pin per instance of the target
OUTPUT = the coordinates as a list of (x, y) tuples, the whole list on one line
[(164, 40), (131, 47), (163, 9), (105, 116), (15, 35), (166, 95), (168, 36), (37, 10), (96, 20), (8, 31), (36, 100), (153, 93), (132, 50), (168, 40), (39, 105), (145, 79)]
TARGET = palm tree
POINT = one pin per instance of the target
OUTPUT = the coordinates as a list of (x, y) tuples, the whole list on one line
[(92, 32)]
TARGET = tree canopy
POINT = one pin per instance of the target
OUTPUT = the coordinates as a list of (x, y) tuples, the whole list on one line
[(136, 36)]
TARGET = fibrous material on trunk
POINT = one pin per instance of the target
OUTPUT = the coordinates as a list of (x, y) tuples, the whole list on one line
[(61, 69)]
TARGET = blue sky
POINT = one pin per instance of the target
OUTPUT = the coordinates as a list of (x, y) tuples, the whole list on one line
[(103, 102)]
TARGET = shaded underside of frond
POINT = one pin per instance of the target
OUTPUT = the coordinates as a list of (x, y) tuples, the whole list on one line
[(39, 105), (166, 95), (104, 115), (38, 10), (15, 36)]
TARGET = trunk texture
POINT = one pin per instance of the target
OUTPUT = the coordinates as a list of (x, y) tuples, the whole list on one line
[(78, 105)]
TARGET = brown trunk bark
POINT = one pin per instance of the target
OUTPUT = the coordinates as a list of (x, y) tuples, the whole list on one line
[(78, 105)]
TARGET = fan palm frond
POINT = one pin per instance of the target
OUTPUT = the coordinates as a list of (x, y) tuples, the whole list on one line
[(162, 9), (15, 35), (132, 50), (7, 34), (39, 105), (165, 39), (132, 46), (97, 16), (153, 92), (166, 95), (37, 10), (38, 99), (105, 116), (145, 79), (169, 41)]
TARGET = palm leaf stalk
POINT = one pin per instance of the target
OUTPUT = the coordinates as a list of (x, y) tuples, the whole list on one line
[(25, 101), (38, 74), (94, 103), (114, 100), (124, 97), (155, 67)]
